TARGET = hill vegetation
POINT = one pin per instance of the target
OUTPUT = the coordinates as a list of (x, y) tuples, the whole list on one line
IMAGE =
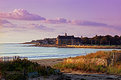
[(100, 62), (102, 40), (23, 69)]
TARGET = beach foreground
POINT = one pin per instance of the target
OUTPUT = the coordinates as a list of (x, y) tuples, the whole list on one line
[(48, 62), (74, 75), (93, 66)]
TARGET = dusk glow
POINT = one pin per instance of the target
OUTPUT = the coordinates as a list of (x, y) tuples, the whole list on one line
[(25, 20)]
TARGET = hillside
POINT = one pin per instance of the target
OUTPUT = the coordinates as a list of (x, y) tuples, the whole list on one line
[(100, 62)]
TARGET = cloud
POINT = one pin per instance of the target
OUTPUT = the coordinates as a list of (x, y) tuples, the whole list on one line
[(40, 27), (77, 22), (87, 23), (24, 27), (57, 21), (94, 24), (4, 21), (6, 24), (20, 14)]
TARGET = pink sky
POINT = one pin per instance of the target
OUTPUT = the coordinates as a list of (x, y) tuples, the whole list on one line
[(25, 20)]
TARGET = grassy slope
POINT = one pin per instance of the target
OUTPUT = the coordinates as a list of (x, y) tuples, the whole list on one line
[(91, 67)]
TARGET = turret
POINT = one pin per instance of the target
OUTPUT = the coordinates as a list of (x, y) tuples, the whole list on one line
[(66, 34)]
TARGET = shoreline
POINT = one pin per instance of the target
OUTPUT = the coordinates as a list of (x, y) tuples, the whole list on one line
[(81, 46)]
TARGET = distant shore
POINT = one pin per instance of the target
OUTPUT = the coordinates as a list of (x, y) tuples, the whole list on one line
[(79, 46)]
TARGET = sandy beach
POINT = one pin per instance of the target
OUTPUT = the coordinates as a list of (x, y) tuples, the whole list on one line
[(48, 62)]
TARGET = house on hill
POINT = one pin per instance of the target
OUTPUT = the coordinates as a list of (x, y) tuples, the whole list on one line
[(68, 40)]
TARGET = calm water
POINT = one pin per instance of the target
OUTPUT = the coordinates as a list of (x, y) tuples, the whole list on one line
[(42, 52)]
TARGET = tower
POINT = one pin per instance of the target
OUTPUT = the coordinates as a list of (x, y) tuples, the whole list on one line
[(66, 34)]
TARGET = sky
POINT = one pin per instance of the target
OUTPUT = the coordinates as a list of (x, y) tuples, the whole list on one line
[(26, 20)]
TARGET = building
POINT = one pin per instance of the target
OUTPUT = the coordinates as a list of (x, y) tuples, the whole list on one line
[(46, 41), (68, 40)]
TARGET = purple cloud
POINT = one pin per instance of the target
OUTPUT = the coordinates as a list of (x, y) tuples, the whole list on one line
[(4, 21), (40, 27), (76, 22), (6, 24), (94, 24), (57, 21), (87, 23), (21, 14)]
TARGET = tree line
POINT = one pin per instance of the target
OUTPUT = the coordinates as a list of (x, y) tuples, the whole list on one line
[(102, 40)]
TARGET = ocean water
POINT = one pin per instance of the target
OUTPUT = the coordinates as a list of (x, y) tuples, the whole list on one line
[(25, 50)]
